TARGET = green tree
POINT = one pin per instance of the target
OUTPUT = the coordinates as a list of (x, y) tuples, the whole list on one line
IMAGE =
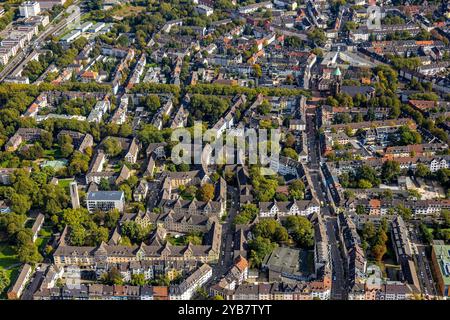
[(445, 214), (257, 70), (390, 171), (151, 102), (138, 279), (112, 147), (301, 230), (317, 36), (422, 170), (248, 213), (265, 107), (4, 280), (259, 248), (296, 190), (205, 192), (290, 153), (112, 277), (20, 204)]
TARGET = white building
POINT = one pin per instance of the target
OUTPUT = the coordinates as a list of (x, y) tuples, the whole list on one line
[(29, 9), (99, 110), (288, 208), (105, 200), (202, 9), (187, 289)]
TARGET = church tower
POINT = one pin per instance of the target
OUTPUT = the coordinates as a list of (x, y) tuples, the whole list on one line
[(336, 81), (74, 195)]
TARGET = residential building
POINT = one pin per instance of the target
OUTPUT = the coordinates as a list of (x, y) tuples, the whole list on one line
[(105, 200)]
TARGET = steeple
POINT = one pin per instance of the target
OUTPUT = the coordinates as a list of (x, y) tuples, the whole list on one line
[(337, 81)]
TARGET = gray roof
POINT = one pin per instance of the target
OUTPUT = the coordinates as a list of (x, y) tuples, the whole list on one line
[(105, 195)]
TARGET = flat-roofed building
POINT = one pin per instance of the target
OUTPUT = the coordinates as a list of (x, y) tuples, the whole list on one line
[(440, 261), (105, 200)]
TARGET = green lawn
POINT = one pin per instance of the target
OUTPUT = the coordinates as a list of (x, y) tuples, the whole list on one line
[(44, 237), (65, 183), (7, 256), (7, 259), (12, 273)]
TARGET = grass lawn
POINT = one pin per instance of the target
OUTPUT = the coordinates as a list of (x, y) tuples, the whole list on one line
[(8, 259), (176, 241), (49, 153), (7, 256), (65, 182), (44, 237), (128, 10)]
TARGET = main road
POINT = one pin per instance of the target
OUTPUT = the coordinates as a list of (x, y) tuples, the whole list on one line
[(424, 274), (338, 286)]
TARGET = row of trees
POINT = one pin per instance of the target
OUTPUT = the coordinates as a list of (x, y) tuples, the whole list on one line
[(375, 239)]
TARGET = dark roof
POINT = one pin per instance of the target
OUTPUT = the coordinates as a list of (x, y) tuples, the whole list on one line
[(105, 195)]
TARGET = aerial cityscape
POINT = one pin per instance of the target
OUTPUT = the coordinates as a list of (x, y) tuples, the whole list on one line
[(224, 150)]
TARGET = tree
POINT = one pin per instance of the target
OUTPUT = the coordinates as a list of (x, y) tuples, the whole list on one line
[(378, 251), (408, 136), (78, 164), (293, 42), (422, 171), (414, 194), (20, 204), (271, 229), (364, 184), (66, 149), (301, 230), (290, 153), (427, 234), (112, 147), (134, 231), (248, 213), (151, 102), (46, 139), (66, 145), (390, 170), (318, 52), (360, 209), (4, 280), (111, 218), (127, 191), (257, 70), (296, 190), (188, 193), (205, 192), (28, 253), (387, 194), (138, 279), (350, 25), (104, 184), (445, 214), (317, 36), (265, 107), (259, 248), (405, 212), (369, 231), (289, 140), (112, 277)]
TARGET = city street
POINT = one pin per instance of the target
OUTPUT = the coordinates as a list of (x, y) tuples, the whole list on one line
[(422, 264), (338, 290)]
